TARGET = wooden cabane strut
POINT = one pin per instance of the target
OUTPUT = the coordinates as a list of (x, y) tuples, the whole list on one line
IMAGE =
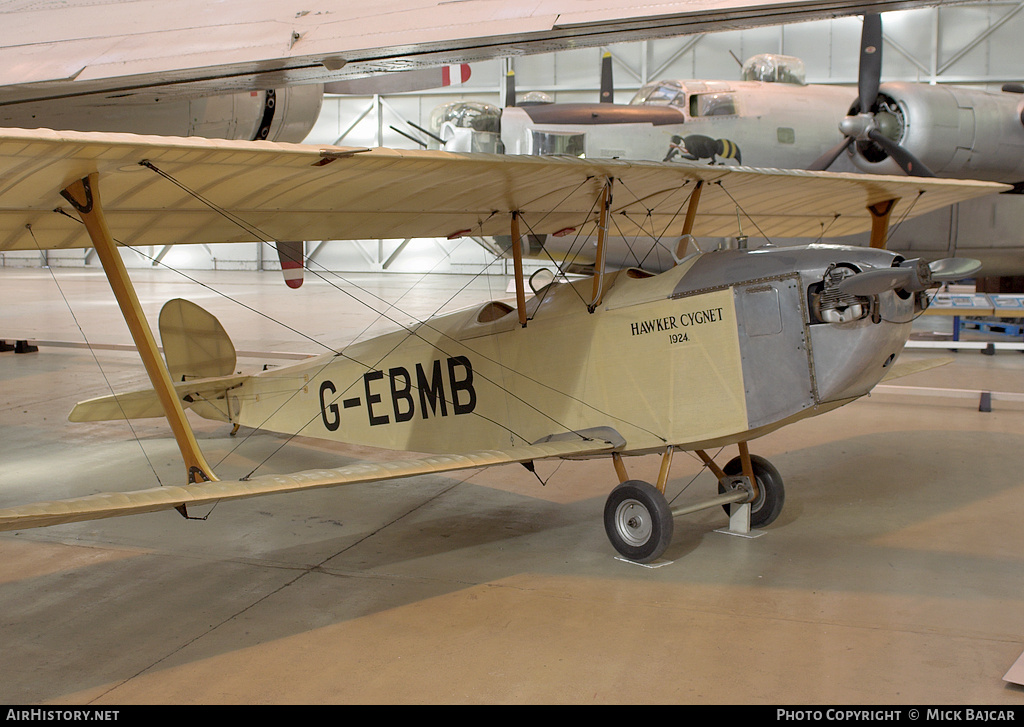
[(880, 214), (602, 248), (688, 220)]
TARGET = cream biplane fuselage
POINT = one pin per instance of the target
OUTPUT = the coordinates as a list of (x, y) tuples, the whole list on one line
[(723, 348)]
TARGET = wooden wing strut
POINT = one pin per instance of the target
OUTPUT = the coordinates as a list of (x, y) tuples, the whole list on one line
[(517, 260), (85, 198)]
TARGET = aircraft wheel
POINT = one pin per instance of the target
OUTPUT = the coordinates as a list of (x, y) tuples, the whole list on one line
[(638, 520), (771, 495)]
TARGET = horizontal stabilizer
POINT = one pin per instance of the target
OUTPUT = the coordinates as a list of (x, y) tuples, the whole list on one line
[(912, 367), (113, 504), (144, 403)]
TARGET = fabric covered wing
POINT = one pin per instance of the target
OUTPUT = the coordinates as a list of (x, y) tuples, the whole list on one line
[(229, 191), (113, 504)]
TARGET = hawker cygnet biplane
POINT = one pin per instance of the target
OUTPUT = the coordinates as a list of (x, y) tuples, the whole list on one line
[(723, 348)]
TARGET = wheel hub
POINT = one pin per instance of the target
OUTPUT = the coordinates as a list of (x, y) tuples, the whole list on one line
[(633, 522)]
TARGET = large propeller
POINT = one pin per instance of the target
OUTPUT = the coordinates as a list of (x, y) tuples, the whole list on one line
[(607, 84), (910, 275), (510, 88), (607, 94), (870, 125)]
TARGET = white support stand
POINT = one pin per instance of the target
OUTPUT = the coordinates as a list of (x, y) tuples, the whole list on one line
[(739, 522), (1016, 673), (656, 564)]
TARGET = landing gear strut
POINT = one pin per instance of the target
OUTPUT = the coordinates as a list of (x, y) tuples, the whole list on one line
[(639, 520)]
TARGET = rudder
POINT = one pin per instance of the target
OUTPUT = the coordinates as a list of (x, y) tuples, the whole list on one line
[(196, 346)]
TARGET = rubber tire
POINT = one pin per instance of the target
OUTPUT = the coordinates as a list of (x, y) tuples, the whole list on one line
[(653, 532), (771, 492)]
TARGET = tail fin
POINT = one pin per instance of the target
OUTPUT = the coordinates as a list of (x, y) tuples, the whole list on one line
[(200, 359), (196, 346)]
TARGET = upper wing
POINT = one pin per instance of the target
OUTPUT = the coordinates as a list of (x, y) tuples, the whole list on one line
[(158, 191), (77, 47), (112, 504)]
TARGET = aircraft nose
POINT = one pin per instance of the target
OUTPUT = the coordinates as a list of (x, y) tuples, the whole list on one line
[(851, 357)]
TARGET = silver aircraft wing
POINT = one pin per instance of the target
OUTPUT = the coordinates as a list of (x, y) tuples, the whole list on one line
[(53, 50)]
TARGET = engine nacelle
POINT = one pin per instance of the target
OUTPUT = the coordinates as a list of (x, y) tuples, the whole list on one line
[(956, 132), (285, 115)]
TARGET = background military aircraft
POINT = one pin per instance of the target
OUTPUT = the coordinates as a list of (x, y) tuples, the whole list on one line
[(772, 119), (208, 69), (260, 71)]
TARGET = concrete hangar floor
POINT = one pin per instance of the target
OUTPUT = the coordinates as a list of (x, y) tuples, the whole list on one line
[(893, 576)]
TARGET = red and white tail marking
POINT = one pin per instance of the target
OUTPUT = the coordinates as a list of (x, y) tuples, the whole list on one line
[(454, 75), (290, 253)]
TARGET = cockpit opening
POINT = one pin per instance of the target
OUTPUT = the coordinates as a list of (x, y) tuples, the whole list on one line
[(663, 93), (468, 126), (774, 68), (493, 311), (712, 104), (550, 143), (697, 98)]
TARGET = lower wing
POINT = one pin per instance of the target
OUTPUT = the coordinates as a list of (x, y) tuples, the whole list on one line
[(113, 504)]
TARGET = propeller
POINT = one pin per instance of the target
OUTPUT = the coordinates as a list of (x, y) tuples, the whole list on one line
[(868, 125), (907, 161), (510, 88), (870, 70), (910, 275), (954, 268), (530, 98), (607, 86)]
